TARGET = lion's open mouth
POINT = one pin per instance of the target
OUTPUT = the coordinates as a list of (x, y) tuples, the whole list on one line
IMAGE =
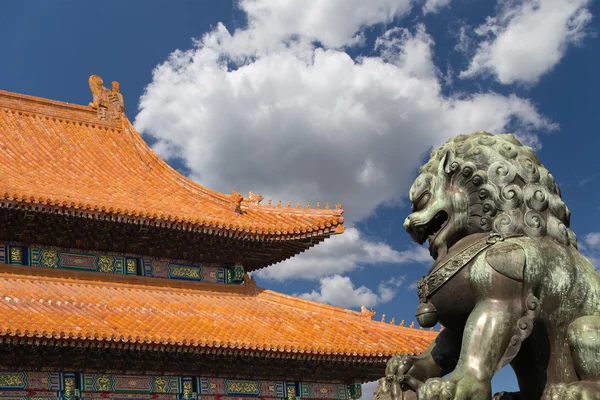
[(430, 230), (436, 224)]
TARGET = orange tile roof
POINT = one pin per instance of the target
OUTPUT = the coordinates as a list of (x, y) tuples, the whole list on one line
[(74, 306), (60, 156)]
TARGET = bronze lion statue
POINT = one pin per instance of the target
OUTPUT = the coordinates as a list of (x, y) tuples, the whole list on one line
[(508, 283)]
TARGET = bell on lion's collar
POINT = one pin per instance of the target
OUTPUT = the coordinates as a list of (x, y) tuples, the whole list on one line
[(427, 315)]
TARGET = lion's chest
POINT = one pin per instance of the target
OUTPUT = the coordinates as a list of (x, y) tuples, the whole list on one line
[(455, 300)]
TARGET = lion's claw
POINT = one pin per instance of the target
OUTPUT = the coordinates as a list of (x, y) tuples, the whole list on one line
[(464, 388), (398, 366), (437, 388)]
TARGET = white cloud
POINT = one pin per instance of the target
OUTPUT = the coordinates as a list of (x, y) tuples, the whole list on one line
[(334, 23), (339, 255), (590, 247), (367, 390), (339, 291), (593, 240), (413, 286), (464, 40), (306, 124), (434, 6), (527, 38), (263, 109)]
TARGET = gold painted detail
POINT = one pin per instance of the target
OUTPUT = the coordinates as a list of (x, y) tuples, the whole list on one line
[(291, 392), (12, 380), (131, 266), (160, 383), (187, 388), (49, 258), (186, 272), (103, 383), (16, 255), (69, 387), (105, 264), (242, 387)]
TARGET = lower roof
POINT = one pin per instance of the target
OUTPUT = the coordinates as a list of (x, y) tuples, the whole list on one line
[(77, 307)]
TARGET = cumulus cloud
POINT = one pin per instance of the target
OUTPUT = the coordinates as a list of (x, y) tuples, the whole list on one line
[(590, 247), (311, 124), (342, 254), (527, 38), (593, 240), (333, 23), (281, 107), (339, 291), (434, 6)]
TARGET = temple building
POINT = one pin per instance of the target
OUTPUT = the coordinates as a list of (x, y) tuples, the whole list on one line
[(122, 279)]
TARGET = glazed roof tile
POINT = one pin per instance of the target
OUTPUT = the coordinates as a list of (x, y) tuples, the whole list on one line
[(74, 306), (59, 156)]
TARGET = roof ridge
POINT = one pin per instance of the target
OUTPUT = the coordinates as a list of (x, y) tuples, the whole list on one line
[(42, 106), (114, 175), (247, 203), (183, 180), (339, 312)]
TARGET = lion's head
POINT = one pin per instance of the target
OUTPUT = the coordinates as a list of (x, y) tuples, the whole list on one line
[(485, 183)]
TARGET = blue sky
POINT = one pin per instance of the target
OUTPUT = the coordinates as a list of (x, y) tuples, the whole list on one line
[(333, 101)]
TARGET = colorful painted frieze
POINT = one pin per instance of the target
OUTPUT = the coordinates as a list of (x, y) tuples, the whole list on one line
[(242, 388), (56, 258), (43, 381), (355, 391), (323, 391), (176, 270), (127, 396), (232, 398), (90, 386), (130, 384), (26, 395), (82, 261)]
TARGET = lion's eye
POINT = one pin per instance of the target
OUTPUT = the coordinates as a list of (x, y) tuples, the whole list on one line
[(423, 201)]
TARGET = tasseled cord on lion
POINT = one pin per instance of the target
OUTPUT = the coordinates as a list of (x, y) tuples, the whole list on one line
[(508, 282)]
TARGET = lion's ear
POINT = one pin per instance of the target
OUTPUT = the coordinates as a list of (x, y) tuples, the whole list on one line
[(446, 162)]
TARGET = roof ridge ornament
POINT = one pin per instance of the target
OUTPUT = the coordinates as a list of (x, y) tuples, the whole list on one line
[(236, 201), (366, 313), (254, 199), (109, 104)]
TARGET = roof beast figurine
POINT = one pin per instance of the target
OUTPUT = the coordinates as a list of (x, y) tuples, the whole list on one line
[(508, 282)]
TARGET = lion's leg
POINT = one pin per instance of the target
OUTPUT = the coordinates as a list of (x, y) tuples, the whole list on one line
[(584, 341), (486, 336)]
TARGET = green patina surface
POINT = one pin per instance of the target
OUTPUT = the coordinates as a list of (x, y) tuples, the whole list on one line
[(533, 285)]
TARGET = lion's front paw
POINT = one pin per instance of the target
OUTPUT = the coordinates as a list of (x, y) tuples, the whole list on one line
[(398, 365), (463, 388), (573, 391)]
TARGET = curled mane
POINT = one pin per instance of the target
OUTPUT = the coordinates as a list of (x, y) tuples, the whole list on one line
[(509, 190)]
